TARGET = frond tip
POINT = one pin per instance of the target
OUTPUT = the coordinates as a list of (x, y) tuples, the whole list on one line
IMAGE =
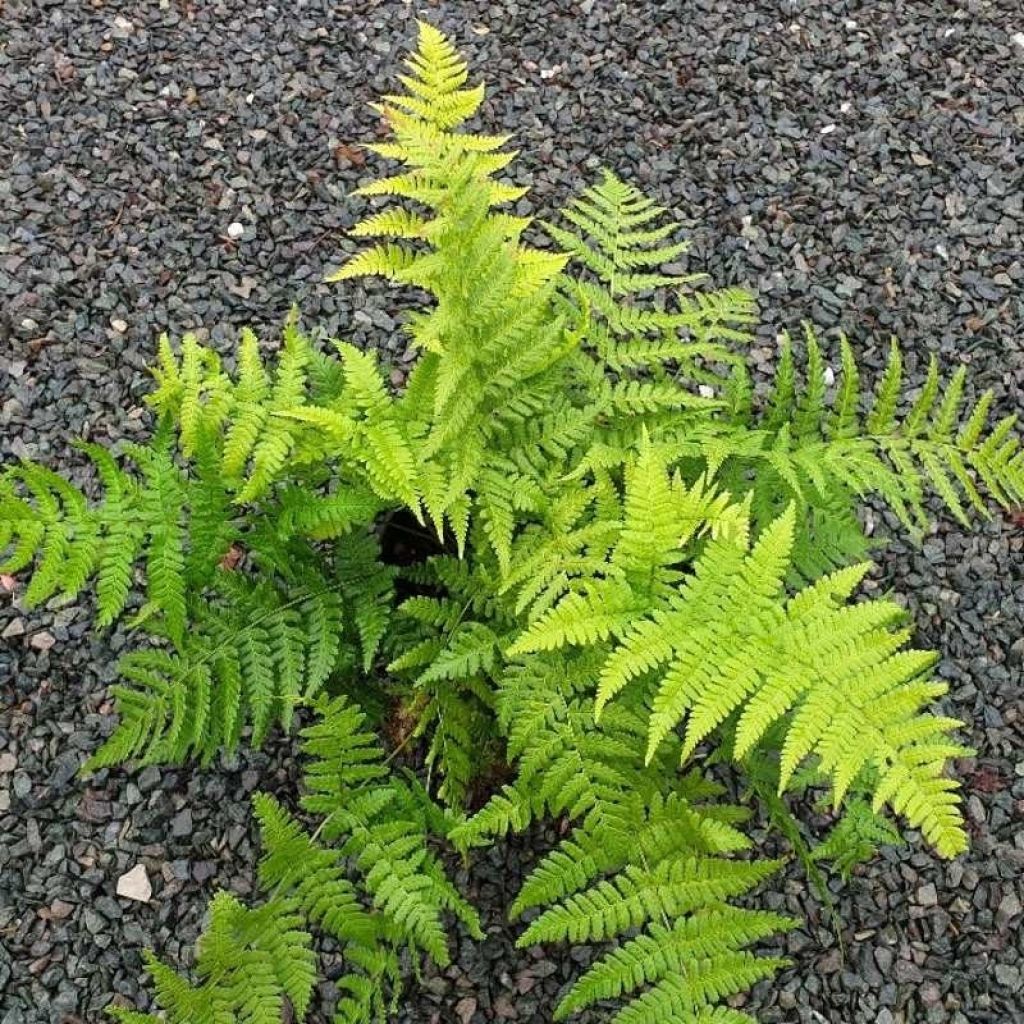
[(623, 236)]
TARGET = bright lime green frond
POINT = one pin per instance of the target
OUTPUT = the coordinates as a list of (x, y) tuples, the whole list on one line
[(654, 358), (494, 357), (730, 644), (441, 160), (676, 886), (691, 947), (564, 765), (435, 85), (661, 515)]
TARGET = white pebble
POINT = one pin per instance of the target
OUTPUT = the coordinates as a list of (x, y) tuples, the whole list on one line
[(135, 885), (235, 230), (1018, 38)]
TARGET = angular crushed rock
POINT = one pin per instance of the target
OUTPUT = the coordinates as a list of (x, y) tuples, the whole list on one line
[(178, 165)]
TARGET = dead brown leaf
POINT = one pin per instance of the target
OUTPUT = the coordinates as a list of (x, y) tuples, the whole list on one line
[(234, 555), (349, 154), (986, 780)]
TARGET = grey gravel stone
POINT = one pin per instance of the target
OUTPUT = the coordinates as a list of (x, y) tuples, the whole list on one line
[(181, 824), (1009, 909)]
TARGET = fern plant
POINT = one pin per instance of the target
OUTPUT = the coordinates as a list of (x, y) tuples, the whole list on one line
[(626, 568)]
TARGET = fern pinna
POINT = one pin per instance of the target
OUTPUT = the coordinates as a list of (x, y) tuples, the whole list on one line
[(630, 565)]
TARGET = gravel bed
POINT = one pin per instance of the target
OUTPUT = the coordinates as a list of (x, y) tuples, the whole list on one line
[(183, 164)]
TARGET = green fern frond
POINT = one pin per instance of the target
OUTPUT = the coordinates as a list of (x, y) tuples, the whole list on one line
[(163, 501), (250, 961), (564, 767), (328, 516), (723, 641), (367, 586), (856, 698), (827, 457), (856, 837), (715, 936), (185, 1002), (625, 243), (349, 783), (251, 655), (435, 85), (679, 998), (471, 649), (676, 886), (52, 524), (625, 832), (251, 394), (293, 864), (152, 713), (73, 541), (276, 437), (390, 261), (396, 223), (883, 412), (581, 617), (387, 456)]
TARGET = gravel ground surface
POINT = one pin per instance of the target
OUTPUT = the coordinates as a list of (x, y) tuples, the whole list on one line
[(175, 164)]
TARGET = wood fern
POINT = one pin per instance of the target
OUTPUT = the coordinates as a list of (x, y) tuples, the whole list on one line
[(577, 553)]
